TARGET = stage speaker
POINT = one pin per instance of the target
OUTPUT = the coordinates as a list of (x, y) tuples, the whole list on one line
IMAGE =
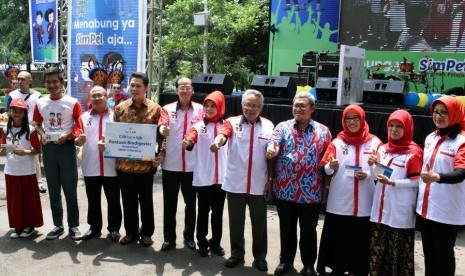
[(272, 86), (457, 91), (327, 70), (383, 92), (326, 90), (300, 79), (207, 83)]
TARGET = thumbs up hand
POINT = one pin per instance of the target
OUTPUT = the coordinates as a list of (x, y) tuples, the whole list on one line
[(101, 144), (165, 130), (185, 142), (429, 176), (333, 163), (372, 159), (272, 150)]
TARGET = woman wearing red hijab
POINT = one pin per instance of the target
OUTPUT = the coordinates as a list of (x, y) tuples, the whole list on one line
[(397, 169), (345, 241), (441, 197), (208, 173)]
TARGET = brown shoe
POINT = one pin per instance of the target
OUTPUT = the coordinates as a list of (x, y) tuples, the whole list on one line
[(127, 239), (146, 241)]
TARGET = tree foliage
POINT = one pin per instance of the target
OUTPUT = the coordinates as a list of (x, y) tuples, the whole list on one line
[(237, 39), (14, 36)]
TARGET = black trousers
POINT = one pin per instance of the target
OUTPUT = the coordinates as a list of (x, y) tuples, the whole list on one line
[(210, 198), (307, 216), (137, 190), (438, 241), (111, 189), (172, 182)]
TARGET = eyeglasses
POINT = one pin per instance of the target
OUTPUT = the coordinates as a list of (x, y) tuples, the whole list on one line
[(115, 87), (300, 106), (355, 119), (251, 106), (98, 96), (440, 113), (185, 88)]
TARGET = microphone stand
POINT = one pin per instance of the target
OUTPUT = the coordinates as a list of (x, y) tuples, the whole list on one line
[(273, 30)]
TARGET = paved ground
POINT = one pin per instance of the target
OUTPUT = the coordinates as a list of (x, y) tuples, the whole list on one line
[(38, 256)]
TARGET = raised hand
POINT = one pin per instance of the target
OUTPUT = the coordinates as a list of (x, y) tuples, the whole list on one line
[(429, 176), (372, 159), (101, 144), (272, 150), (80, 140), (165, 130), (333, 163), (185, 142)]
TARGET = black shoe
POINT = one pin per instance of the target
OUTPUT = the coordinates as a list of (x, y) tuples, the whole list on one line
[(282, 269), (55, 233), (190, 244), (203, 252), (90, 234), (233, 262), (308, 271), (167, 246), (261, 265), (115, 236), (74, 233), (217, 250)]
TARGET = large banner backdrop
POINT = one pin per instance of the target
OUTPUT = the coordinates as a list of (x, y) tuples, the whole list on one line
[(104, 31), (426, 35), (44, 31)]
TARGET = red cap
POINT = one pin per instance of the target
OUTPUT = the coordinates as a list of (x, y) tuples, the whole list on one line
[(18, 102)]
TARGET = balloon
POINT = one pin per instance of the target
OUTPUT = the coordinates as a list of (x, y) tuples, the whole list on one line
[(423, 100), (412, 99), (462, 99), (313, 92), (303, 89), (432, 97)]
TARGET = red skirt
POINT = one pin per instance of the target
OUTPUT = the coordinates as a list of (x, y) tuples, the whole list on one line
[(23, 202)]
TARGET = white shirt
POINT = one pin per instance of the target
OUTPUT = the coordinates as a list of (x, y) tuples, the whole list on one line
[(246, 170), (180, 122), (93, 162), (441, 202)]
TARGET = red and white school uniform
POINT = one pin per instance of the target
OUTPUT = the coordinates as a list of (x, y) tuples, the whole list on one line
[(23, 198)]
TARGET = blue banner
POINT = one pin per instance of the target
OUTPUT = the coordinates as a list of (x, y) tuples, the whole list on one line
[(44, 31), (102, 33)]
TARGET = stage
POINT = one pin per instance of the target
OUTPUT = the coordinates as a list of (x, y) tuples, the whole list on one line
[(279, 109)]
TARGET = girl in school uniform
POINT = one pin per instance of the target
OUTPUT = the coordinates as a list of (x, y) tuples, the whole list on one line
[(20, 143)]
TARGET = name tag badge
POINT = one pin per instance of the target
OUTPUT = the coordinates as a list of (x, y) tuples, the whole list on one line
[(382, 169), (350, 170), (52, 136)]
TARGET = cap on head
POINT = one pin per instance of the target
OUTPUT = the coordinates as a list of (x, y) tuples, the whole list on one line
[(19, 103)]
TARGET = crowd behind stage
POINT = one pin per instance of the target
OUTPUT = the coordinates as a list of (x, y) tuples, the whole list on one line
[(376, 191)]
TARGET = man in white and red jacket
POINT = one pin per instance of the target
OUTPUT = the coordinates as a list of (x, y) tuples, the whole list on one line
[(176, 120), (247, 173)]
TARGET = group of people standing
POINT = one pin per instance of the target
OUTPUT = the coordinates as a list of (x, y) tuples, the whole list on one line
[(376, 192)]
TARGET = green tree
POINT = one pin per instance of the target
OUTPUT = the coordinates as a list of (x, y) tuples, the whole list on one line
[(14, 37), (237, 39)]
